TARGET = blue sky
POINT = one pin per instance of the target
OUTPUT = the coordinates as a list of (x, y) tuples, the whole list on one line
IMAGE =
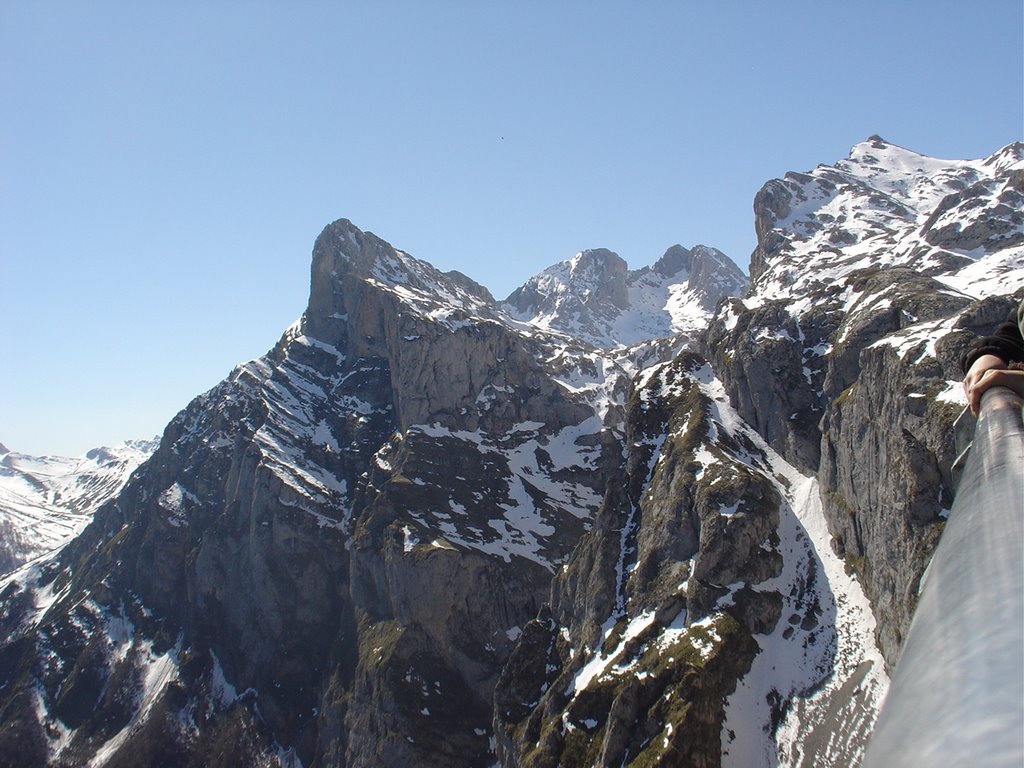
[(165, 167)]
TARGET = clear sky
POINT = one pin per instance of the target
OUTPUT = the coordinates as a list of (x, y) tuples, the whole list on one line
[(165, 167)]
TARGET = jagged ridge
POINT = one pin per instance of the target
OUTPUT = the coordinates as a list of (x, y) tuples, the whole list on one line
[(428, 529)]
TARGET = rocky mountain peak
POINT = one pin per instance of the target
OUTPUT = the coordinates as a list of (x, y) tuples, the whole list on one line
[(882, 206), (1008, 158), (345, 257), (426, 529), (675, 260), (590, 278), (470, 285), (598, 274), (343, 251), (595, 297), (342, 248)]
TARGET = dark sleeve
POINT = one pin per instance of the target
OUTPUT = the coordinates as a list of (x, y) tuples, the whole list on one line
[(1005, 343)]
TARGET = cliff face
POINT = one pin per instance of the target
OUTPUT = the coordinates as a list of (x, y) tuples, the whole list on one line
[(639, 648), (865, 290), (601, 523), (332, 550)]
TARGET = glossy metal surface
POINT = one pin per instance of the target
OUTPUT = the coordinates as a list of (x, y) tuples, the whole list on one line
[(957, 694)]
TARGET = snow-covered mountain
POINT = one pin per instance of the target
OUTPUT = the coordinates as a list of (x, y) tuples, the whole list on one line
[(886, 206), (596, 298), (47, 500), (432, 529), (867, 277)]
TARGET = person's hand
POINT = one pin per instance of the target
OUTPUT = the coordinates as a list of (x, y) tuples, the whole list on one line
[(979, 368), (994, 377)]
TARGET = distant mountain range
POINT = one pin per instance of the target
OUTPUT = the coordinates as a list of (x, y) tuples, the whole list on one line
[(651, 517), (46, 500), (594, 297)]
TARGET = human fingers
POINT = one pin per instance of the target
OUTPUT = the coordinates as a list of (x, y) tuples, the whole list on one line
[(990, 378), (975, 386), (979, 368)]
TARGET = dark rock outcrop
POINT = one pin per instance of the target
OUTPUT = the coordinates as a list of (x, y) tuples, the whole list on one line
[(844, 356), (602, 523), (312, 544)]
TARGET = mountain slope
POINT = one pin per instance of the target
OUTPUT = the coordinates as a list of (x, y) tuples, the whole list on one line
[(47, 500), (868, 280), (886, 206), (431, 529), (403, 460), (722, 541)]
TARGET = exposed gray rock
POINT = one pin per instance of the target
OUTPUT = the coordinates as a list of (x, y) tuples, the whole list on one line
[(638, 614), (426, 529), (313, 541), (772, 365), (887, 445), (845, 355)]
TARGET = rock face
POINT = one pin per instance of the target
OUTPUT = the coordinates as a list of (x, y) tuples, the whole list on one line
[(344, 468), (654, 647), (865, 289), (613, 520)]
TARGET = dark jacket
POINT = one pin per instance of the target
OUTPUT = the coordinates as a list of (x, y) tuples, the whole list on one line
[(1006, 343)]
